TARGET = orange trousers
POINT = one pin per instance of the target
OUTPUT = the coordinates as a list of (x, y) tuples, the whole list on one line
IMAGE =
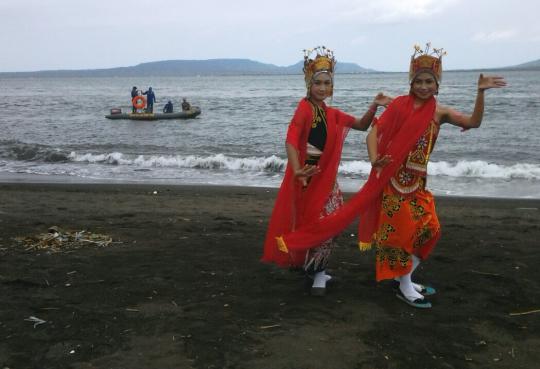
[(408, 225)]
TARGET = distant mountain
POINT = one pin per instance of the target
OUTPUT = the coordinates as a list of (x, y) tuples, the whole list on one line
[(340, 68), (532, 65), (187, 68)]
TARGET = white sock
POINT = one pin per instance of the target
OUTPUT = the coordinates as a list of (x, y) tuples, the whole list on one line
[(406, 287), (327, 276), (415, 264), (417, 287), (319, 280)]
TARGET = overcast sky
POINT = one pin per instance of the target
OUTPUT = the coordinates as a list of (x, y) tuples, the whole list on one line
[(377, 34)]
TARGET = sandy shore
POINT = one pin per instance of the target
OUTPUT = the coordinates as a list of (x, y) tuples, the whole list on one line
[(181, 286)]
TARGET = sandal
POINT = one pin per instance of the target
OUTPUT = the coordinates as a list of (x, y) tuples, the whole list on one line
[(425, 290), (318, 291), (417, 303)]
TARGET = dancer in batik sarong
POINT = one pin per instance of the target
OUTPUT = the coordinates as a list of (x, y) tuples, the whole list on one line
[(309, 189), (397, 212)]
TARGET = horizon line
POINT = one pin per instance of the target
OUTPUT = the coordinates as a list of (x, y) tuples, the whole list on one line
[(368, 70)]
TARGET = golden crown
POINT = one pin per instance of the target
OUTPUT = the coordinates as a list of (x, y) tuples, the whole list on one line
[(318, 59), (426, 61)]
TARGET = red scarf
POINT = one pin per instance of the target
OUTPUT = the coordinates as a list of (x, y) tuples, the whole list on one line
[(294, 205), (398, 130)]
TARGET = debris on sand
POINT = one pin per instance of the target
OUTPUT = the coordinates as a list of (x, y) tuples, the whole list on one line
[(58, 240), (35, 320)]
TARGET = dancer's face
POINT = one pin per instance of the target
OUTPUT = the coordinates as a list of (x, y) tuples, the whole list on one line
[(321, 87), (424, 86)]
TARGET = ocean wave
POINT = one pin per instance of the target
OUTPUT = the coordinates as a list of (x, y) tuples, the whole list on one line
[(482, 169), (275, 164), (218, 161), (32, 152), (468, 169)]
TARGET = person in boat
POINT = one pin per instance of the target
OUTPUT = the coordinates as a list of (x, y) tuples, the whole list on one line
[(397, 211), (185, 105), (134, 92), (168, 108), (150, 100), (309, 190)]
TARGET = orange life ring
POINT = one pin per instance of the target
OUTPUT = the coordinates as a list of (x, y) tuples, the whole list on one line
[(139, 102)]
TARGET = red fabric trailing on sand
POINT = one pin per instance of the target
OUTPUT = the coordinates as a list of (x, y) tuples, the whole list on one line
[(294, 205), (398, 130)]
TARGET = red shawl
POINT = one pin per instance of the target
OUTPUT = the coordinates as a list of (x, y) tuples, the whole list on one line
[(398, 130), (296, 206)]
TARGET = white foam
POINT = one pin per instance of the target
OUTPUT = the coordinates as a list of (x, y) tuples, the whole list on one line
[(467, 169), (218, 161), (482, 169)]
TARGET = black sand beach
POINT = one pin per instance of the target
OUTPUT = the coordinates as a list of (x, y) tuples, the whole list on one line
[(181, 286)]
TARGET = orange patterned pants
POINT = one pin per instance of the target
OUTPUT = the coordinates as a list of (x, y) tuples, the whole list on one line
[(408, 225)]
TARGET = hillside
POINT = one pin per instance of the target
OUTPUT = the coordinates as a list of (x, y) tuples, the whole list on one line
[(214, 67), (169, 68), (532, 65)]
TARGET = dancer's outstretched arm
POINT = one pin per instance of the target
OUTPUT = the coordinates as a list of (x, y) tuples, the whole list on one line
[(449, 115)]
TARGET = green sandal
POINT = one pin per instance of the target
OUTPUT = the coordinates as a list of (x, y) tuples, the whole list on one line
[(417, 303)]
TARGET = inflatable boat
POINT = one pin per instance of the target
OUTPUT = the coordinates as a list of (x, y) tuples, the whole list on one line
[(187, 114)]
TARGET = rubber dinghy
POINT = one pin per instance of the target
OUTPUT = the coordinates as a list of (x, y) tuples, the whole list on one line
[(187, 114)]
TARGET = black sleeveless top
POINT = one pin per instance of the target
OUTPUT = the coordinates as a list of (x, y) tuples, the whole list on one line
[(317, 134)]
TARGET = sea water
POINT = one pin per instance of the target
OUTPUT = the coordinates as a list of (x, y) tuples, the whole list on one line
[(55, 130)]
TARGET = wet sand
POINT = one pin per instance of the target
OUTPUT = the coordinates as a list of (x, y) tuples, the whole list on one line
[(181, 286)]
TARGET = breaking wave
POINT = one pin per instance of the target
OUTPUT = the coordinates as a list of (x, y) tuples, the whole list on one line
[(275, 164), (218, 161)]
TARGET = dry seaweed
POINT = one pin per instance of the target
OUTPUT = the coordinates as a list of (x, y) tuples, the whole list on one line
[(58, 240)]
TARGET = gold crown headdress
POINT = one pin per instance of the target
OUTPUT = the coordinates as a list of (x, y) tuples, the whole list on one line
[(323, 61), (426, 61)]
